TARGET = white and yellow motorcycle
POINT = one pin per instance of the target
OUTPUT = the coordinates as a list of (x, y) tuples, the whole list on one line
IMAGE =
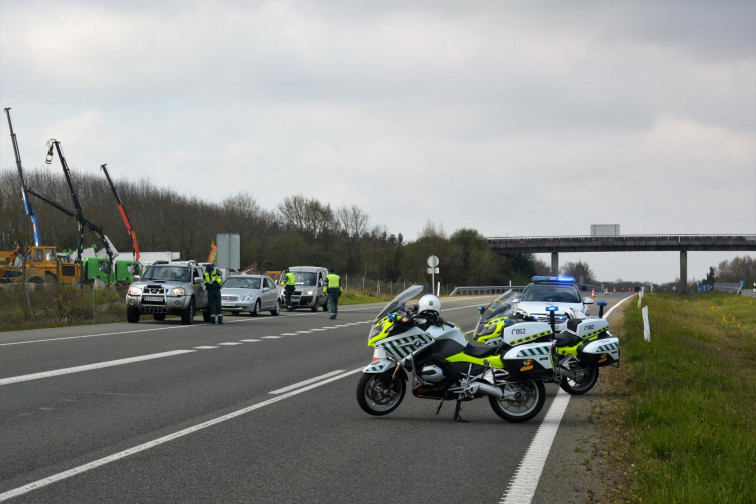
[(417, 345)]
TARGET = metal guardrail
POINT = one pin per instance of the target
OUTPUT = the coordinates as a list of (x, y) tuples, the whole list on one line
[(478, 290), (735, 288), (748, 292)]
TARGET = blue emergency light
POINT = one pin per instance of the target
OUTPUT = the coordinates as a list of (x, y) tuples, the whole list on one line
[(561, 279), (552, 308)]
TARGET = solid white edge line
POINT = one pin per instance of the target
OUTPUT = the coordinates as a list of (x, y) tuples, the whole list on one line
[(306, 382), (89, 367), (523, 484), (156, 442)]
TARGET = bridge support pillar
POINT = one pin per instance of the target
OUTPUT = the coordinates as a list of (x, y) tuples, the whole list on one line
[(554, 263), (683, 272)]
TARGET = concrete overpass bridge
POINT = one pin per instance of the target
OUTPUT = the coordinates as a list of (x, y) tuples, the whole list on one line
[(624, 243)]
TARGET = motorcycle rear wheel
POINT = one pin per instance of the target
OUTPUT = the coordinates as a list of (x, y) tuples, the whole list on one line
[(377, 399), (577, 387), (523, 409)]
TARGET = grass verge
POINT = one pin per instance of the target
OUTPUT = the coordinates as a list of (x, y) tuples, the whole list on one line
[(682, 419), (53, 305)]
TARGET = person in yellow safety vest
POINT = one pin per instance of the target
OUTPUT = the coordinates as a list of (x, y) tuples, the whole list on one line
[(213, 286), (288, 280), (333, 288)]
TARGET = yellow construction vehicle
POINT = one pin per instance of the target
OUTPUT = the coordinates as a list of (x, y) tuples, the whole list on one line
[(41, 265)]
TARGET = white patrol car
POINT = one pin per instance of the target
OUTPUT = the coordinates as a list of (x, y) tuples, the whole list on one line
[(547, 291)]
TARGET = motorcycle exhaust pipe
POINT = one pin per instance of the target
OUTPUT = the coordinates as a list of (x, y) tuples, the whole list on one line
[(487, 389)]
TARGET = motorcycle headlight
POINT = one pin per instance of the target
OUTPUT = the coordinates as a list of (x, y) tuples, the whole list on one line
[(135, 291), (178, 291)]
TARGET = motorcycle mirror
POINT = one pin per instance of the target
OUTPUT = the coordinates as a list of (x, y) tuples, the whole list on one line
[(480, 309)]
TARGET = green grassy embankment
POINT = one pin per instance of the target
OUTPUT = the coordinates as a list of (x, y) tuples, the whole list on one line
[(683, 414)]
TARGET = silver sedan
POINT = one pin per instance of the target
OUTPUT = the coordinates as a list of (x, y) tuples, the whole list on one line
[(250, 293)]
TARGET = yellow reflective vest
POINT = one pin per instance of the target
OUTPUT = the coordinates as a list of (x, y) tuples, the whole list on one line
[(333, 281)]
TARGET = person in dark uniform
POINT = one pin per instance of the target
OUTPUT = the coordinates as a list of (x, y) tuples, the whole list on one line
[(213, 286), (333, 288), (289, 281)]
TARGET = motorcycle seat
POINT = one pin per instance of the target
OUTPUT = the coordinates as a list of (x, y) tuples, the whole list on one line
[(564, 339), (481, 351)]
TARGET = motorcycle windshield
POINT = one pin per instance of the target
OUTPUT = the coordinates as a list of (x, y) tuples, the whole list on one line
[(500, 307), (399, 301)]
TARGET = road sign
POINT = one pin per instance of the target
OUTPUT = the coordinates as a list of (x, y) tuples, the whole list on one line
[(432, 261), (433, 271)]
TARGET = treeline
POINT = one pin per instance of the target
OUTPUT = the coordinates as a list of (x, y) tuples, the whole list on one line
[(740, 268), (299, 231)]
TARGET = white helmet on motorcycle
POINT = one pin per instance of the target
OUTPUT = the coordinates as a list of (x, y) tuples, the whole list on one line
[(429, 302)]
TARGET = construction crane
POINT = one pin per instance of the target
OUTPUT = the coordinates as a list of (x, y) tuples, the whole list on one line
[(78, 214), (28, 208), (126, 221)]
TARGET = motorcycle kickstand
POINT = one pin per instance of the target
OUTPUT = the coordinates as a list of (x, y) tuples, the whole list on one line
[(439, 407), (458, 418)]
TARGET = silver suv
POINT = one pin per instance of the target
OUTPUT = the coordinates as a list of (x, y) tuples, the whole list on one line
[(168, 288)]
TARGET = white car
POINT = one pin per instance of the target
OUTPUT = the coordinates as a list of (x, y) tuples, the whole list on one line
[(546, 291), (250, 293)]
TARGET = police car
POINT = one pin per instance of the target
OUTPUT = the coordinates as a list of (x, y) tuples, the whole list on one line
[(548, 291)]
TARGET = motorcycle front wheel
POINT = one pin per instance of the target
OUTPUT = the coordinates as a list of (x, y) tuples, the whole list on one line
[(378, 394), (582, 384), (522, 401)]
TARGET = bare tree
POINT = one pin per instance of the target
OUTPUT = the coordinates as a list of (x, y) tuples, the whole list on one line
[(354, 222)]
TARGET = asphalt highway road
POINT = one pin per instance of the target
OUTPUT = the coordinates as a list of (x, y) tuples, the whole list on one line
[(256, 410)]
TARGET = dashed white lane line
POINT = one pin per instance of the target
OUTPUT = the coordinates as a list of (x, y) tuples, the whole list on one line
[(130, 360), (89, 367), (159, 441)]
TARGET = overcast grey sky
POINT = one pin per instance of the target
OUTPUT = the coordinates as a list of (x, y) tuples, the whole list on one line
[(512, 118)]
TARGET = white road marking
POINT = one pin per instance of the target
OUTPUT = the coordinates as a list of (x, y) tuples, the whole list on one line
[(306, 382), (101, 334), (277, 337), (90, 367), (250, 340), (157, 442), (304, 332), (206, 347), (230, 343), (523, 484)]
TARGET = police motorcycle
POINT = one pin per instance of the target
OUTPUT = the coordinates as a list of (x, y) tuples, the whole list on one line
[(575, 354), (416, 344)]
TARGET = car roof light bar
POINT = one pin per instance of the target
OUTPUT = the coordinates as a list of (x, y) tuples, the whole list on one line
[(560, 279)]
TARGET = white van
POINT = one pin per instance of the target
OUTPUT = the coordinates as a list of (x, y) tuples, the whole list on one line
[(308, 288)]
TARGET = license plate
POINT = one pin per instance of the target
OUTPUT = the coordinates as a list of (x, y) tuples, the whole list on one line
[(153, 298), (228, 305)]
